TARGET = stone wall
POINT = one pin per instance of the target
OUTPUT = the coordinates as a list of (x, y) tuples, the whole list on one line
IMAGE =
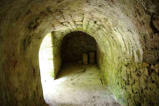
[(126, 31), (136, 84)]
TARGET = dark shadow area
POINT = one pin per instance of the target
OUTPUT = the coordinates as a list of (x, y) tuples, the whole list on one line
[(78, 48)]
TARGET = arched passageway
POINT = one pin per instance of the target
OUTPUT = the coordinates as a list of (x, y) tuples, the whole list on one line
[(126, 32), (78, 76), (75, 46)]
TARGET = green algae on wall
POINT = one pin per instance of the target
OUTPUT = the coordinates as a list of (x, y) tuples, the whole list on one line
[(136, 84), (108, 16)]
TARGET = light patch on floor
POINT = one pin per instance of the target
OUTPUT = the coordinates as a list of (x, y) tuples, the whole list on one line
[(78, 86)]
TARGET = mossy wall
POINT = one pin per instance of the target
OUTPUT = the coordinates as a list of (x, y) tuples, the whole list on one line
[(135, 84), (126, 32)]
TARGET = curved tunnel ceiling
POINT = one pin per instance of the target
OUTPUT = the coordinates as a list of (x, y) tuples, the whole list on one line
[(118, 26), (99, 19)]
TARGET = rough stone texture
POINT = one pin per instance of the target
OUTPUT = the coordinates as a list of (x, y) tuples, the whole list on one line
[(136, 84), (126, 31)]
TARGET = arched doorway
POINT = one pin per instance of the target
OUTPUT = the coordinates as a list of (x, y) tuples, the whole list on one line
[(78, 48), (73, 48), (65, 74)]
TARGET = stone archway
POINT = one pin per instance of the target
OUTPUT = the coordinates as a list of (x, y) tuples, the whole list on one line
[(78, 47), (86, 48)]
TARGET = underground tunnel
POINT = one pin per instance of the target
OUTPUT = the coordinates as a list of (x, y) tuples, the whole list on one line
[(79, 52)]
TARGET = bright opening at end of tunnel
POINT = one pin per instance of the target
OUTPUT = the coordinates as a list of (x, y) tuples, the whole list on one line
[(46, 66), (46, 58)]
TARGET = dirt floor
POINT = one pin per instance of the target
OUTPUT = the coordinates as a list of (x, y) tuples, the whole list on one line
[(78, 85)]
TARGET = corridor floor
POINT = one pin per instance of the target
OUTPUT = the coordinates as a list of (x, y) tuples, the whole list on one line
[(79, 86)]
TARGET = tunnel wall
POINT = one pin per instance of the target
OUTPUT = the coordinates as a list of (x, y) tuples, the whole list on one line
[(126, 33)]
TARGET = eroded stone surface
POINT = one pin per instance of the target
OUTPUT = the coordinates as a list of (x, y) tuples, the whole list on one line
[(123, 30)]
